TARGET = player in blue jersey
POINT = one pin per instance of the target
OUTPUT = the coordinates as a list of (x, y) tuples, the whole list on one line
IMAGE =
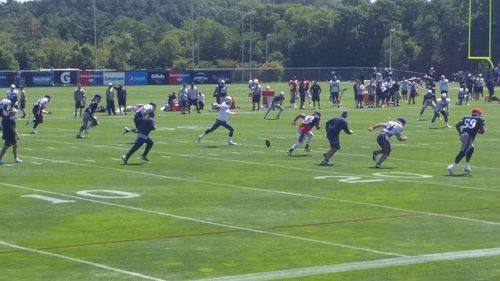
[(390, 129), (145, 124), (88, 118), (333, 128), (467, 128)]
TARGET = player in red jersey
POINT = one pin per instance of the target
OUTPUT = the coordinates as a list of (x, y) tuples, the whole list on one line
[(304, 131)]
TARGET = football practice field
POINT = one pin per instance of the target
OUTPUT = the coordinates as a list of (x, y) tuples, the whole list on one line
[(208, 211)]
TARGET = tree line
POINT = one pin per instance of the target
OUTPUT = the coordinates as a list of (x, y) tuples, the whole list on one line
[(160, 34)]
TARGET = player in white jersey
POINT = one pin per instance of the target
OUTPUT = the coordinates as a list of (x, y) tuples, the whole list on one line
[(442, 107), (391, 128), (39, 109), (12, 95), (334, 91), (443, 85), (224, 113)]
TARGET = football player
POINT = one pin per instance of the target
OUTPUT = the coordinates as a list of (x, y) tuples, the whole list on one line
[(467, 128), (429, 100), (304, 130), (12, 95), (39, 109), (276, 103), (391, 128), (224, 113), (80, 97), (89, 120), (145, 124), (333, 128), (442, 107), (10, 135), (147, 109)]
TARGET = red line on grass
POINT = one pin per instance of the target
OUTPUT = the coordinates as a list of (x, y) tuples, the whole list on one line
[(239, 230)]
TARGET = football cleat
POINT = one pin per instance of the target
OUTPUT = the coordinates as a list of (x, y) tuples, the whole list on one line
[(451, 170), (324, 163), (431, 126), (126, 130), (18, 161), (379, 166), (374, 155), (145, 158), (307, 149), (199, 138), (124, 159), (289, 152), (231, 143), (467, 168)]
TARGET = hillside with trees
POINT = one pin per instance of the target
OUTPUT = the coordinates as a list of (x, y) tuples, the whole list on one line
[(160, 34)]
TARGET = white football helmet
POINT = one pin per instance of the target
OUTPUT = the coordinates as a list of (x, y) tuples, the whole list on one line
[(228, 100)]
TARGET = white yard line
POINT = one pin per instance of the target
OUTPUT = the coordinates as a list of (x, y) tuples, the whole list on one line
[(93, 264), (274, 191), (246, 229), (356, 266)]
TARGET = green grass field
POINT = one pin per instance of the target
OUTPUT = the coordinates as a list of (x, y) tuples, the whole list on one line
[(209, 211)]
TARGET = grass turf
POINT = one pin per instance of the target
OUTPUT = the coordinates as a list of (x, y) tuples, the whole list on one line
[(211, 210)]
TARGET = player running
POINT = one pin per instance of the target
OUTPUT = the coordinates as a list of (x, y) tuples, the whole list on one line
[(304, 131), (333, 128), (88, 119), (39, 109), (467, 128), (145, 124), (224, 113), (390, 129)]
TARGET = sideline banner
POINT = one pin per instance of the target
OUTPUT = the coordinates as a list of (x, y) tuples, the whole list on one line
[(176, 77), (65, 77), (7, 78), (38, 78), (115, 77), (91, 78), (157, 78), (138, 77)]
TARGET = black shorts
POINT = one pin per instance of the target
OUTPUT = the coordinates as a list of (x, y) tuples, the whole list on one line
[(122, 102), (10, 140), (315, 97), (255, 98), (385, 145), (80, 104), (193, 102), (334, 141)]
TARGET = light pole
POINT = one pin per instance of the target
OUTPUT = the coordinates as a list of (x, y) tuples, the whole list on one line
[(95, 35), (267, 45), (390, 46), (243, 39)]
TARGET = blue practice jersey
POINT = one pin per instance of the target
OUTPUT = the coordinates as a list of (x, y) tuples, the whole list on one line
[(335, 125), (471, 125)]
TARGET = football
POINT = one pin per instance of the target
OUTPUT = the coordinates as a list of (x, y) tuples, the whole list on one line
[(268, 143)]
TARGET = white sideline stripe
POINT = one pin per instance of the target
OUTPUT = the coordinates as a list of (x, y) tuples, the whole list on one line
[(280, 192), (98, 265), (356, 266), (251, 230), (440, 184)]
